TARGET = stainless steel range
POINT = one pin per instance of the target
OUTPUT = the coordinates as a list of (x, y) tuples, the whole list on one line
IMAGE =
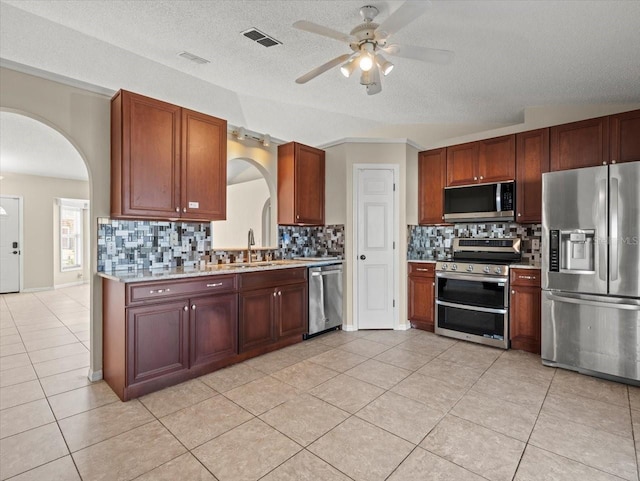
[(472, 291)]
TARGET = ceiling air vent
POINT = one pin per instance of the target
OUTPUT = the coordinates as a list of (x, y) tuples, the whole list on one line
[(193, 58), (260, 37)]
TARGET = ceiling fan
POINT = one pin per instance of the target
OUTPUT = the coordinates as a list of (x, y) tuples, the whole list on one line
[(369, 40)]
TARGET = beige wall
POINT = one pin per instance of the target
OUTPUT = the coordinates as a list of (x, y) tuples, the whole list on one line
[(40, 214), (84, 119), (245, 202), (340, 161)]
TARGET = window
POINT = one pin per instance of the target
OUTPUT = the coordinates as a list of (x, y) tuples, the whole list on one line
[(71, 227)]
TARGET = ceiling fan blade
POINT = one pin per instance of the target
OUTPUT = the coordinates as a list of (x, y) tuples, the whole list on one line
[(322, 68), (322, 30), (402, 17), (425, 54)]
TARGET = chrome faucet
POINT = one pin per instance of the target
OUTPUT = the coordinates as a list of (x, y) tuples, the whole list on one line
[(250, 242)]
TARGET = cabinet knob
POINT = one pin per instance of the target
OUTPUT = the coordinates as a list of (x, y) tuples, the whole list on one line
[(186, 308), (475, 178), (274, 294), (613, 161), (193, 307), (433, 284), (184, 209), (297, 217), (279, 293), (519, 214), (604, 163), (481, 177), (513, 292), (177, 209)]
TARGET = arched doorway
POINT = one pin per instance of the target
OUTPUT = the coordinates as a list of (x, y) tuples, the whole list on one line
[(48, 174)]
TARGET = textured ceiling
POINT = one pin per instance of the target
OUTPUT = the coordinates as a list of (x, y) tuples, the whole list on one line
[(509, 55)]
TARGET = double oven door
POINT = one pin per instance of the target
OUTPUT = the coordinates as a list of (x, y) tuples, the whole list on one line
[(473, 307)]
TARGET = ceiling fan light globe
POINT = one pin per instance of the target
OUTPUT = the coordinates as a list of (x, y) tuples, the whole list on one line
[(348, 68), (366, 62), (385, 66)]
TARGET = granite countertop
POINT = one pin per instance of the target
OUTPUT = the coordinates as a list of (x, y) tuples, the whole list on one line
[(210, 270), (424, 261)]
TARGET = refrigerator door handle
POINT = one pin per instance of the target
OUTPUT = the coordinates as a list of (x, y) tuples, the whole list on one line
[(590, 302), (613, 234), (602, 229)]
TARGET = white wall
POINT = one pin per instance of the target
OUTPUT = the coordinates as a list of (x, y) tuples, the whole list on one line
[(40, 252), (244, 211)]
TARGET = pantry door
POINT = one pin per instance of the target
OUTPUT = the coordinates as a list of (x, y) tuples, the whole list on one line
[(376, 266)]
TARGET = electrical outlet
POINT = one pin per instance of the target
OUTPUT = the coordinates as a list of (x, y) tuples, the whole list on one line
[(535, 244), (174, 239), (111, 248)]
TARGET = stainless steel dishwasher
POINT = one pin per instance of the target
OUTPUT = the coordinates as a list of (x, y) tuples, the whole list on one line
[(325, 298)]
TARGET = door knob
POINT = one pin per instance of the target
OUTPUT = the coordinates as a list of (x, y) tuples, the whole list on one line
[(363, 257), (15, 252)]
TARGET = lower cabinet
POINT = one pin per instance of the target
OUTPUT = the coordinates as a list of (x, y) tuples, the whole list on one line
[(157, 334), (158, 340), (273, 308), (524, 310), (421, 290), (213, 324)]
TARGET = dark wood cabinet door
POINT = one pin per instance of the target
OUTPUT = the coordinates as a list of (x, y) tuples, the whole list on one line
[(309, 185), (625, 136), (532, 160), (150, 157), (257, 327), (497, 159), (432, 172), (580, 144), (213, 328), (292, 310), (422, 302), (204, 167), (525, 318), (462, 162), (301, 177), (157, 341)]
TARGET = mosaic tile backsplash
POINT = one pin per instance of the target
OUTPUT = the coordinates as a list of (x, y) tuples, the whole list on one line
[(297, 241), (134, 245), (434, 242)]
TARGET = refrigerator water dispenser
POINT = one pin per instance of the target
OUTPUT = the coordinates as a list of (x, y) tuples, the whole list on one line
[(577, 253)]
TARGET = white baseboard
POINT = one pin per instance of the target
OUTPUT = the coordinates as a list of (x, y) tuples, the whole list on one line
[(95, 375), (70, 284), (349, 327), (403, 327), (37, 289)]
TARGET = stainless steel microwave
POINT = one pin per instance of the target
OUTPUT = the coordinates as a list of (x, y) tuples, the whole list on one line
[(480, 203)]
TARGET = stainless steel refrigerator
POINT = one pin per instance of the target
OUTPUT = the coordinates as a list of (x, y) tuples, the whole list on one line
[(591, 270)]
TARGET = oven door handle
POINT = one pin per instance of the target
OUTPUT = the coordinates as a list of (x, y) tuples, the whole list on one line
[(471, 308), (471, 277)]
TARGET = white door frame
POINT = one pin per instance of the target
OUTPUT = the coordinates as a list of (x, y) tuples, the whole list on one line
[(20, 234), (395, 168)]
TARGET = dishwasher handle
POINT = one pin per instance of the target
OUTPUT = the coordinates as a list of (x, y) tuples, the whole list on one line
[(326, 273)]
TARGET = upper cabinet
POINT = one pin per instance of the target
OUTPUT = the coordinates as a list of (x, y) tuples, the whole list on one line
[(625, 136), (490, 160), (166, 162), (301, 177), (532, 160), (432, 172), (580, 144)]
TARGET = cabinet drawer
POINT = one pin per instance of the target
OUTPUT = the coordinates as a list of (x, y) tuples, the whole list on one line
[(422, 269), (276, 277), (525, 277), (149, 291)]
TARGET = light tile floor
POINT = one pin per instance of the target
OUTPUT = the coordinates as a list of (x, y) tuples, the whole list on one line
[(370, 405)]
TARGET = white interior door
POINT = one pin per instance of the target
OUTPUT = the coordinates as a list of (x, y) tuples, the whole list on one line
[(9, 245), (375, 249)]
